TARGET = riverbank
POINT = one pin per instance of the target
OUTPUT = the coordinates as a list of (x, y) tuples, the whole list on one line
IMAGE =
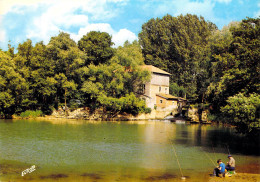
[(87, 177), (63, 120), (239, 177), (13, 173), (86, 113), (248, 172)]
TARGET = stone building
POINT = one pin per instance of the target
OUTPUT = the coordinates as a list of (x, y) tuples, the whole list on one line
[(156, 93)]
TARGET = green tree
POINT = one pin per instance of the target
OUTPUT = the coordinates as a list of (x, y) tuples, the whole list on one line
[(37, 69), (177, 90), (97, 46), (130, 57), (243, 112), (25, 50), (42, 80), (67, 59), (14, 90), (179, 45), (10, 51), (237, 59), (111, 86), (68, 87)]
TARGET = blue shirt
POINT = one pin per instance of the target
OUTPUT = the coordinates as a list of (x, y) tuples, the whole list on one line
[(222, 165)]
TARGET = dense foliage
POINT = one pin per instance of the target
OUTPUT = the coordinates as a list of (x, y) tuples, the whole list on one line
[(31, 114), (236, 63), (243, 111), (97, 45), (45, 77), (234, 88), (111, 85)]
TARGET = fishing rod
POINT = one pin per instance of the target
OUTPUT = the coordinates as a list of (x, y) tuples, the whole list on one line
[(183, 178), (209, 158), (228, 149), (213, 151)]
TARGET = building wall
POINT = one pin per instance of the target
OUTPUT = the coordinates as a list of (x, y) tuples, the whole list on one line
[(173, 103), (160, 102), (160, 89), (148, 89), (155, 89), (155, 114), (160, 79), (159, 84), (164, 103)]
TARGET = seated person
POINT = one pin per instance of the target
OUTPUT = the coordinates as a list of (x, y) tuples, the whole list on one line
[(230, 164), (220, 170)]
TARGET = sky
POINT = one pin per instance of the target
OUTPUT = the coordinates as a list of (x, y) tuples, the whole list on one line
[(39, 20)]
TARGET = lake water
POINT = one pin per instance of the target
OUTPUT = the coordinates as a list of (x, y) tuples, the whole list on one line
[(81, 150)]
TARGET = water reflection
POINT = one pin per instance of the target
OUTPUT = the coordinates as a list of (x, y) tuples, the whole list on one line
[(221, 139), (156, 144)]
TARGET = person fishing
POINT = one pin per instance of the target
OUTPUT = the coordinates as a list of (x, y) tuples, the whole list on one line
[(231, 163), (220, 169)]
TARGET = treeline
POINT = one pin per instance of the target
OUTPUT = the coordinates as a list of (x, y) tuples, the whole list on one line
[(218, 68), (65, 73)]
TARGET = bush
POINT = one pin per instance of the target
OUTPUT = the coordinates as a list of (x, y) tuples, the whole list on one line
[(31, 114), (243, 112), (212, 117), (147, 110), (177, 90), (75, 104)]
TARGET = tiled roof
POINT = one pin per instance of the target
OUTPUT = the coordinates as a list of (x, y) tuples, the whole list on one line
[(154, 69), (170, 97)]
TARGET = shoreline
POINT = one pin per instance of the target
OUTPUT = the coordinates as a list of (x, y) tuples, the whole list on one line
[(13, 172), (238, 177), (90, 176), (61, 120), (49, 117)]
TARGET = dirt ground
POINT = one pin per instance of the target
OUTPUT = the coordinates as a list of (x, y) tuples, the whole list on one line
[(245, 173), (238, 177)]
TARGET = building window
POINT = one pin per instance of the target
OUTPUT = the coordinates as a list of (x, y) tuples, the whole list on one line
[(160, 88), (141, 89), (161, 101), (166, 90)]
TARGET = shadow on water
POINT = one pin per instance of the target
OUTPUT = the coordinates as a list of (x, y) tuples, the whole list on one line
[(165, 176), (12, 169), (92, 175), (184, 134), (7, 120), (54, 176), (224, 140), (249, 168), (234, 143)]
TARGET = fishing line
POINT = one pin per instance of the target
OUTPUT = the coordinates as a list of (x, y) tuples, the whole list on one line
[(178, 162), (214, 151), (209, 158), (228, 149)]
